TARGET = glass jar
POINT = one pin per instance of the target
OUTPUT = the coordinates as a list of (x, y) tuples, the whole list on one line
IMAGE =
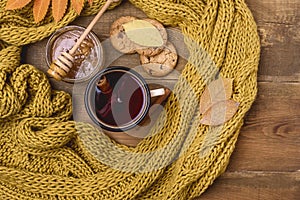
[(88, 57)]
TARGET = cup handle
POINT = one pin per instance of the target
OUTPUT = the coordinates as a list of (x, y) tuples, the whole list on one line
[(157, 92), (162, 94)]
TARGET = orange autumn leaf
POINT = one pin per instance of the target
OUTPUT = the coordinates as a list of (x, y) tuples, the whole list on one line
[(217, 90), (16, 4), (220, 113), (58, 9), (40, 8), (77, 5)]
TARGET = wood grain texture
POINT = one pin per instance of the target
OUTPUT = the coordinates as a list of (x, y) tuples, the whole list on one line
[(278, 25), (255, 185), (266, 162), (269, 139)]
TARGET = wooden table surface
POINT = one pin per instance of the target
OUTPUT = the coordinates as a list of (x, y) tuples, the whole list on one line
[(266, 161)]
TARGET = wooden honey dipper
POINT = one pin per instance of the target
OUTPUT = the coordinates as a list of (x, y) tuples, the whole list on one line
[(62, 65)]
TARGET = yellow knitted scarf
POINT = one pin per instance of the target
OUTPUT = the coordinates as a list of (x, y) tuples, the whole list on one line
[(45, 155)]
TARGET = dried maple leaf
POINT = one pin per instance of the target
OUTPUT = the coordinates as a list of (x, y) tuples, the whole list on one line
[(220, 113), (40, 8), (16, 4), (58, 9), (218, 90), (77, 5)]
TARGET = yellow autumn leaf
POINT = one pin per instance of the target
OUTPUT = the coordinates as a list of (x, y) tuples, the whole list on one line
[(40, 8), (16, 4), (58, 9), (143, 33), (220, 113), (218, 90), (77, 5)]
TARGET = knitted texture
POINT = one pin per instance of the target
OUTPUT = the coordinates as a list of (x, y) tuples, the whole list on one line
[(45, 155)]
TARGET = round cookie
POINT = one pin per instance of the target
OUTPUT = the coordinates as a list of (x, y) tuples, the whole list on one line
[(151, 51), (162, 63), (118, 37)]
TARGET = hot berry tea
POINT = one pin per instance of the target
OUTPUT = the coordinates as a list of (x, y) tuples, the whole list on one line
[(121, 98)]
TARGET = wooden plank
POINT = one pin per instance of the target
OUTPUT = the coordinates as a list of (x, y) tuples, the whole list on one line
[(255, 186), (269, 139), (278, 26), (275, 11)]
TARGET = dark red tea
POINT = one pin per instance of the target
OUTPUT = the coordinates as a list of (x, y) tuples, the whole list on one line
[(122, 101)]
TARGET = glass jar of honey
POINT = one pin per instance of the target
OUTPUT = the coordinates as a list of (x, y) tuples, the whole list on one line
[(88, 57)]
